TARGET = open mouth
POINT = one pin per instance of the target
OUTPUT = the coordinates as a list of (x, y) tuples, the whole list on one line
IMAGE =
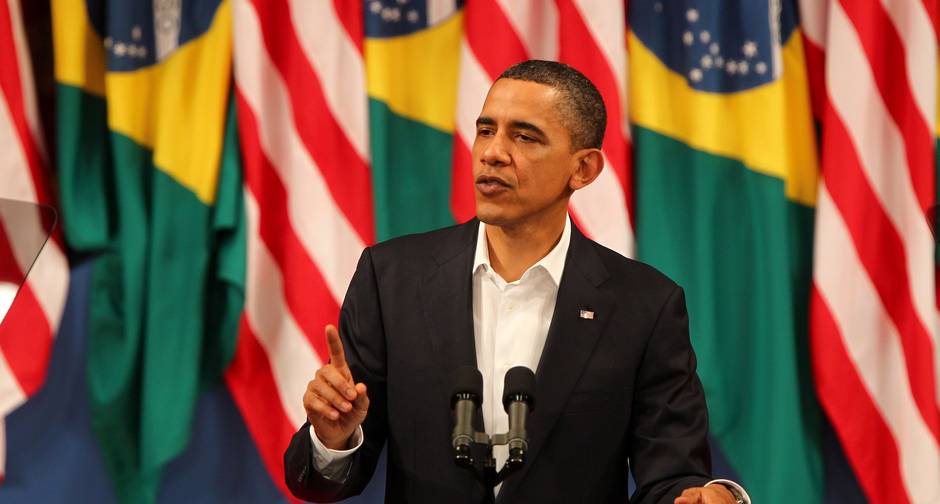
[(489, 186)]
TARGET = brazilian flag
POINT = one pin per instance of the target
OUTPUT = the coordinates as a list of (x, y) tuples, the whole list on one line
[(726, 174), (150, 184), (411, 73)]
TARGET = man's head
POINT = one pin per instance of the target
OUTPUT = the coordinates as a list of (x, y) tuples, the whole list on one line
[(581, 107), (538, 140)]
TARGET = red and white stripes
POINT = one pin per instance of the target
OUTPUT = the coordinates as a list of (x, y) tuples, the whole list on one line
[(874, 318), (27, 332), (590, 36), (302, 112)]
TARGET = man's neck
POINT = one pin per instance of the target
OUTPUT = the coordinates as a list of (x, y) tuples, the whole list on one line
[(514, 249)]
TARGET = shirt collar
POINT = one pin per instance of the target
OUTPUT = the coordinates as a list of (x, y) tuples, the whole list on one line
[(553, 262)]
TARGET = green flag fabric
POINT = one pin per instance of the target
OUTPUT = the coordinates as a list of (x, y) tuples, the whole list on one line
[(150, 184), (412, 86), (726, 171)]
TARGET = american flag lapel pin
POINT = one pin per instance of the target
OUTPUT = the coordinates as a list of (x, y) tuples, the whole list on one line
[(587, 315)]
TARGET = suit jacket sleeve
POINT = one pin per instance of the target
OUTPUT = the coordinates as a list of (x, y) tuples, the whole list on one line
[(668, 437), (363, 336)]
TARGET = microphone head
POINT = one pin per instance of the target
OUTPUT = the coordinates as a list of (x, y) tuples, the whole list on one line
[(468, 381), (520, 381)]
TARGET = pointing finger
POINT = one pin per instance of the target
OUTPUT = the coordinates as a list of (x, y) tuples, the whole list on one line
[(337, 356)]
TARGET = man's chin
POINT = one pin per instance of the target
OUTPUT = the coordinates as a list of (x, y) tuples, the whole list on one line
[(490, 214), (492, 220)]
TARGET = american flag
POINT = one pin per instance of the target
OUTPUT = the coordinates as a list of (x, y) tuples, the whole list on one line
[(874, 313), (27, 331), (301, 104), (302, 110)]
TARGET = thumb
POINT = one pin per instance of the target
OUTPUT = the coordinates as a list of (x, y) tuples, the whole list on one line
[(361, 403)]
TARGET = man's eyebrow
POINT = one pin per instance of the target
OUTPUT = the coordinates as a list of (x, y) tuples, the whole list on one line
[(517, 125), (522, 125)]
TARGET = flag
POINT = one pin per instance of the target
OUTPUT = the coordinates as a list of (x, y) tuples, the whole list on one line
[(303, 124), (411, 56), (28, 330), (589, 35), (874, 312), (150, 182), (726, 173)]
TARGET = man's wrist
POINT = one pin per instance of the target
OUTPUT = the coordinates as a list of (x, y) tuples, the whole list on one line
[(736, 490), (338, 445), (334, 464)]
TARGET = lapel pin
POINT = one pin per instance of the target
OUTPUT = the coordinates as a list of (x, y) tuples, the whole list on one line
[(587, 315)]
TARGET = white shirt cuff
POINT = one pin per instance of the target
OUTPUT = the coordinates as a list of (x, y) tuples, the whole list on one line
[(732, 485), (334, 464)]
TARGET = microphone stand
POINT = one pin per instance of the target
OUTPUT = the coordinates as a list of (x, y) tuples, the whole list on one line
[(519, 403), (487, 474)]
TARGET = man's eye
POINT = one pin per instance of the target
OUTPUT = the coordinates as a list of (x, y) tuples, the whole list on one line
[(525, 138), (484, 132)]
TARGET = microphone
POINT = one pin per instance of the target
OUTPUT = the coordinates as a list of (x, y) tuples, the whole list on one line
[(465, 399), (519, 401)]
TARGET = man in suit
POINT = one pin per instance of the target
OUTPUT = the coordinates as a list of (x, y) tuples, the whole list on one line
[(616, 385)]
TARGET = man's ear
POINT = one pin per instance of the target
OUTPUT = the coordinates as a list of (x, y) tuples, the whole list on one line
[(590, 163)]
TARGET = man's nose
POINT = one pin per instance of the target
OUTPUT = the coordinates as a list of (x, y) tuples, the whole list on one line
[(496, 152)]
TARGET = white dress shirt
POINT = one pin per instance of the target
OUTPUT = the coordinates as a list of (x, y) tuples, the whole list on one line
[(510, 325)]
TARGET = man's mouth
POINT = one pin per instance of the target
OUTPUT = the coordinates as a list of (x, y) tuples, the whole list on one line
[(490, 186)]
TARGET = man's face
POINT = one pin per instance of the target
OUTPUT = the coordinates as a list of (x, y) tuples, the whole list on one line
[(522, 154)]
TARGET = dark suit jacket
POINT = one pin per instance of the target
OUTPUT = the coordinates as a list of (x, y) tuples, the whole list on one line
[(616, 390)]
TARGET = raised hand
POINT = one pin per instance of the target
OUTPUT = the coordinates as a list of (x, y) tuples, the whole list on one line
[(335, 404)]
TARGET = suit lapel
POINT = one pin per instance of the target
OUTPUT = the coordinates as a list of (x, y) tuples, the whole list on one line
[(570, 342), (447, 301)]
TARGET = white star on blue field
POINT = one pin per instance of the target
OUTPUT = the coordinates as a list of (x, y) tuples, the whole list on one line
[(393, 18), (719, 46)]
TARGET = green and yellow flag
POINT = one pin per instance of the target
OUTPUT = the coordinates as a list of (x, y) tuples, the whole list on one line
[(411, 72), (150, 181), (726, 176)]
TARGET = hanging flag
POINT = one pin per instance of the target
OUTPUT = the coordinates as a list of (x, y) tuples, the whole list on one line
[(874, 312), (31, 322), (150, 181), (586, 34), (303, 122), (411, 56), (726, 176)]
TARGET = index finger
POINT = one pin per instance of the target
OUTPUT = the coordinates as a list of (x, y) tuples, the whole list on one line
[(337, 355)]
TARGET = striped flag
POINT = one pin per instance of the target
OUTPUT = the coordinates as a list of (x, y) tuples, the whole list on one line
[(301, 100), (27, 331), (589, 35), (874, 312)]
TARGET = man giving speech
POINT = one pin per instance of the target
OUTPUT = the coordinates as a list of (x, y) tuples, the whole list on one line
[(608, 337)]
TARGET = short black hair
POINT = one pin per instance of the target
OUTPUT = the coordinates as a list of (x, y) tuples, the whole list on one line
[(583, 108)]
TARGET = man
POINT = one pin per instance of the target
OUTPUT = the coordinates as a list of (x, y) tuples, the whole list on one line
[(616, 382)]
